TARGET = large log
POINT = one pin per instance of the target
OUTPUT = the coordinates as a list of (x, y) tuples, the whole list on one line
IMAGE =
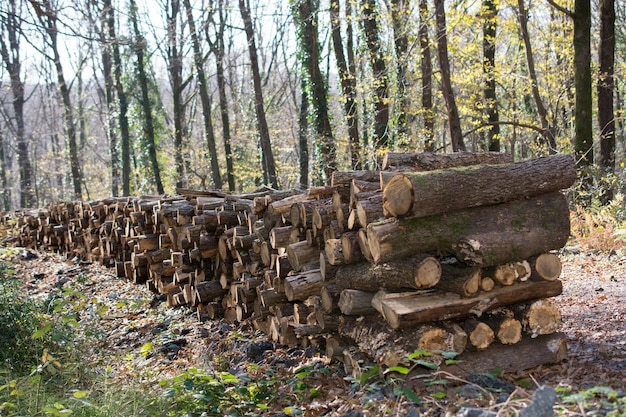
[(356, 302), (418, 309), (420, 271), (486, 235), (420, 194), (427, 161), (393, 347), (539, 317)]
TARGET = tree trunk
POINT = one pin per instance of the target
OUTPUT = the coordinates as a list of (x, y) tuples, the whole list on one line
[(426, 67), (205, 98), (419, 194), (486, 235), (348, 86), (583, 109), (269, 166), (548, 129), (121, 97), (490, 24), (11, 25), (454, 122), (379, 69), (303, 142), (606, 85), (400, 15)]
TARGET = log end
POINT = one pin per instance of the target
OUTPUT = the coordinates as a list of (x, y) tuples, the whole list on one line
[(398, 196)]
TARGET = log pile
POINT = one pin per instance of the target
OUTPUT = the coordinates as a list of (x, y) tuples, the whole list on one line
[(437, 252)]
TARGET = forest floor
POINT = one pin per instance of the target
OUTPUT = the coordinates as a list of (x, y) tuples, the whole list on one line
[(133, 336)]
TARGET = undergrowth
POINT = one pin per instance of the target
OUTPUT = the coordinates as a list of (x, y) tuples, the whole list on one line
[(600, 227)]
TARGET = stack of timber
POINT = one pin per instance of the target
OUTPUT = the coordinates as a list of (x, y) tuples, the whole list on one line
[(450, 252)]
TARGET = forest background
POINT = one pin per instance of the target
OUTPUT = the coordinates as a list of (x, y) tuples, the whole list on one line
[(109, 98)]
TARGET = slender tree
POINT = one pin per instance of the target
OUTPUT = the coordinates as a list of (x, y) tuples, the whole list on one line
[(10, 30), (269, 166), (205, 98), (348, 85), (379, 69), (303, 143), (146, 104), (48, 18), (606, 85), (400, 19), (583, 107), (426, 67), (306, 13), (219, 51), (547, 128), (490, 24), (454, 122), (5, 197)]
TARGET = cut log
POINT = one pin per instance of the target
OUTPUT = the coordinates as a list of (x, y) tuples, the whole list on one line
[(460, 280), (418, 309), (328, 271), (334, 251), (540, 317), (300, 254), (330, 294), (487, 235), (527, 354), (507, 328), (480, 334), (487, 284), (369, 209), (356, 303), (280, 236), (420, 194), (335, 345), (350, 247), (208, 291), (503, 274), (342, 181), (420, 271), (546, 266), (427, 161), (300, 287), (393, 347)]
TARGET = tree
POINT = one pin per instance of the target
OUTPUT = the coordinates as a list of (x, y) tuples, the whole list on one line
[(379, 69), (48, 19), (306, 11), (269, 166), (583, 122), (606, 85), (348, 85), (205, 98), (400, 19), (10, 29), (426, 67), (547, 128), (490, 23), (145, 102), (454, 122), (218, 49), (5, 198)]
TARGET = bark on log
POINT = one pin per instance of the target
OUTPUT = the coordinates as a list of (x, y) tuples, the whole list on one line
[(356, 302), (420, 194), (300, 254), (487, 235), (418, 309), (300, 287), (329, 295), (460, 280), (369, 209), (427, 161), (342, 181), (350, 247), (420, 271)]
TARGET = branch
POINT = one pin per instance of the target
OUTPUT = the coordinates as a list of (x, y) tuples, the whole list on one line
[(561, 8), (538, 129)]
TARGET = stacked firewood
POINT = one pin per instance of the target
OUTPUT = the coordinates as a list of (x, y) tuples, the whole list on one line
[(448, 252)]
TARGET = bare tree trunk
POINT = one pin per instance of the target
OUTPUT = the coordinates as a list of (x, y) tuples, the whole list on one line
[(606, 85), (269, 166), (48, 18), (175, 69), (148, 125), (377, 61), (454, 122), (400, 15), (490, 23), (121, 97), (303, 154), (205, 98), (583, 113), (309, 45), (548, 129), (10, 29), (5, 198), (427, 79), (219, 51), (348, 85)]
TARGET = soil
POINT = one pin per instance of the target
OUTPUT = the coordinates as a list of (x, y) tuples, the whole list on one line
[(122, 320)]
